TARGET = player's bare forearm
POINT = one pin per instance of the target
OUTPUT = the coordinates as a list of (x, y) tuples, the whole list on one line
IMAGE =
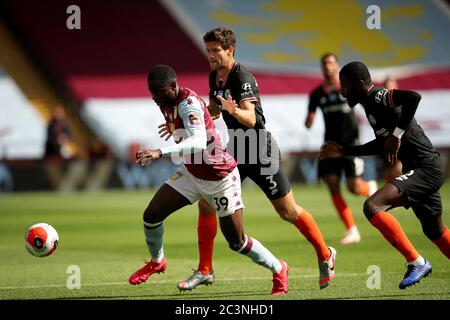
[(391, 147), (309, 119), (246, 117)]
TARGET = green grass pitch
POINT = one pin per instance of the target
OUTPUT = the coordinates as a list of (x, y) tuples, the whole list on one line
[(102, 234)]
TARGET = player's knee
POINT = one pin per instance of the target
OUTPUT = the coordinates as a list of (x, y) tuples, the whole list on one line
[(369, 208), (151, 214), (284, 213), (204, 208), (288, 211)]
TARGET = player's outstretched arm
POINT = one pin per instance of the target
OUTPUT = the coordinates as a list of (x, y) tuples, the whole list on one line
[(144, 157), (194, 137), (368, 149)]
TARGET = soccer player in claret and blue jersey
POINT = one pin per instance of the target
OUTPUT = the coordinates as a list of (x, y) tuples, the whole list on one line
[(234, 94), (342, 128), (398, 136), (208, 172)]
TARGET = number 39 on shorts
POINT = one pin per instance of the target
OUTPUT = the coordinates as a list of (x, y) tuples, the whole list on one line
[(222, 201)]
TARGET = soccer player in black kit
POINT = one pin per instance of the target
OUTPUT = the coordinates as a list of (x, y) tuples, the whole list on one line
[(234, 95), (342, 128), (398, 136)]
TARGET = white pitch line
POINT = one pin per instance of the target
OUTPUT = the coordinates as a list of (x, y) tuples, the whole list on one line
[(166, 281), (340, 275)]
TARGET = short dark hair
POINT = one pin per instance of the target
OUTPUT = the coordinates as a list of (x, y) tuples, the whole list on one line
[(328, 54), (356, 71), (162, 74), (224, 36)]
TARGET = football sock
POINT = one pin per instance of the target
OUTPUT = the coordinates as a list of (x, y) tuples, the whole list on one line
[(393, 232), (253, 249), (443, 243), (344, 211), (154, 238), (363, 188), (420, 261), (307, 226), (206, 231)]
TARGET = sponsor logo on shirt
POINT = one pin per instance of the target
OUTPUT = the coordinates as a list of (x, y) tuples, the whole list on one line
[(246, 86)]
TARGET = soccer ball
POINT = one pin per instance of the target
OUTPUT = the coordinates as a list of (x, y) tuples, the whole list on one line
[(41, 239)]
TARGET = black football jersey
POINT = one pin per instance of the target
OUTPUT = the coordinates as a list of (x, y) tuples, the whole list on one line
[(339, 118), (241, 85), (384, 116)]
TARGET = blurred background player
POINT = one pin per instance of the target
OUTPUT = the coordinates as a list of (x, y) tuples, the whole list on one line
[(398, 136), (59, 136), (230, 80), (394, 170), (340, 126), (213, 176)]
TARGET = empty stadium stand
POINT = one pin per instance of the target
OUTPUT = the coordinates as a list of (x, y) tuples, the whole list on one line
[(99, 72)]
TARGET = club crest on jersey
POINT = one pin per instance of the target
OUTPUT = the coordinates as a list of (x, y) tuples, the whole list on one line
[(194, 119), (246, 86), (372, 120)]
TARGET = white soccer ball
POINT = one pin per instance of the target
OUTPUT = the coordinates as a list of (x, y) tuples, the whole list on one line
[(41, 239)]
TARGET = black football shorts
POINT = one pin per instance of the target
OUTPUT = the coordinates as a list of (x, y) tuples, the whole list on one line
[(352, 166), (421, 186)]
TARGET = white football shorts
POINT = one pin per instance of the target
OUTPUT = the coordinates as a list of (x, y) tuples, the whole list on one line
[(223, 195)]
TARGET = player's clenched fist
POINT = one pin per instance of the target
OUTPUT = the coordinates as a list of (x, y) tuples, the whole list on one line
[(331, 150)]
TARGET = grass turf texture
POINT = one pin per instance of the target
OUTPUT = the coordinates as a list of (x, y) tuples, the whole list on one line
[(102, 233)]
